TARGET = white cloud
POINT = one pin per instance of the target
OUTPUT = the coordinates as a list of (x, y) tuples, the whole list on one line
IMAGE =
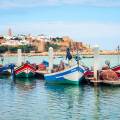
[(32, 3), (104, 34)]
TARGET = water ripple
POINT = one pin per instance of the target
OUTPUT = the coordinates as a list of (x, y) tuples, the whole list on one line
[(35, 100)]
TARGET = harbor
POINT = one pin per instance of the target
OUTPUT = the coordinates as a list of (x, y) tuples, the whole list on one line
[(32, 98), (29, 97), (59, 59), (41, 68)]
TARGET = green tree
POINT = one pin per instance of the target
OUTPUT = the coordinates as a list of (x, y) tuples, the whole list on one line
[(54, 46)]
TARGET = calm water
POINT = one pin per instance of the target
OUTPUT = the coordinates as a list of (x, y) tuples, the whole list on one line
[(35, 100), (88, 62), (32, 99)]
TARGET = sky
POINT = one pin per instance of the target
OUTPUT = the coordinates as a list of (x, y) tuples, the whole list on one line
[(94, 22)]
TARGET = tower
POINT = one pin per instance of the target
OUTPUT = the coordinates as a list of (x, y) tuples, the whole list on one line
[(10, 32)]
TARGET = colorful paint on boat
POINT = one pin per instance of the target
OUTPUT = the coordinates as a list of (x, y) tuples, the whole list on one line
[(116, 69), (73, 75), (5, 69), (25, 71)]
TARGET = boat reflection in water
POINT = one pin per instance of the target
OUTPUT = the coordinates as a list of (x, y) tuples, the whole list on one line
[(66, 99), (25, 83), (81, 102)]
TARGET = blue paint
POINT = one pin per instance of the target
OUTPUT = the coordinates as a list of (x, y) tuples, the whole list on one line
[(4, 68), (59, 77), (11, 67), (45, 63)]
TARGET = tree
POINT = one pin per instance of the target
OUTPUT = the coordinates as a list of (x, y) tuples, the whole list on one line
[(54, 46)]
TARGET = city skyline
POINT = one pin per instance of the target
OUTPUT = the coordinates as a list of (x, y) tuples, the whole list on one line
[(89, 21)]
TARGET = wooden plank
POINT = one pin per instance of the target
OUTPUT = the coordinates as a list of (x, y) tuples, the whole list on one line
[(117, 82), (42, 72), (96, 81)]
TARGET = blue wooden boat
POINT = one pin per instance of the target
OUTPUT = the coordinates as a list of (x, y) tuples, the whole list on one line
[(4, 70), (72, 75)]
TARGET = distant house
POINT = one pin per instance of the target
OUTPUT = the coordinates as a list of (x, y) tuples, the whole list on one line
[(66, 42), (38, 41), (11, 43), (77, 45), (15, 41)]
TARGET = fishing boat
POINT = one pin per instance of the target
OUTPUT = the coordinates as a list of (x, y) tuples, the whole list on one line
[(41, 70), (26, 70), (4, 70), (90, 73), (71, 75), (117, 70)]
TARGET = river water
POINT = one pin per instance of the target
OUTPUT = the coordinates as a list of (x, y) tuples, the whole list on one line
[(87, 61), (33, 99)]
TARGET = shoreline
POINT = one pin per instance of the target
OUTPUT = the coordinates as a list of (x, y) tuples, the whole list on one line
[(60, 54)]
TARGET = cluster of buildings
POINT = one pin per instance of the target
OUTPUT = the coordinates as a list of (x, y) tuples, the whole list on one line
[(40, 41)]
